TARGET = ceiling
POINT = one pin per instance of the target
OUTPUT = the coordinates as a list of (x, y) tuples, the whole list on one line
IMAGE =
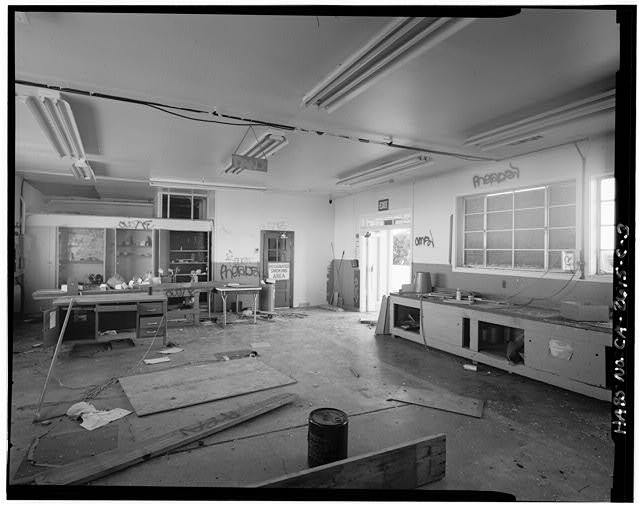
[(491, 72)]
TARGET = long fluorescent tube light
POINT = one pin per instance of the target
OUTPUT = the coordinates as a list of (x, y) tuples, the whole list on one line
[(55, 118), (82, 171), (387, 170), (266, 146), (184, 184), (397, 43), (515, 132)]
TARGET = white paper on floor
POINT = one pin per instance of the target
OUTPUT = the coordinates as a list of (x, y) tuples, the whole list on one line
[(260, 345), (170, 350), (92, 418), (156, 360)]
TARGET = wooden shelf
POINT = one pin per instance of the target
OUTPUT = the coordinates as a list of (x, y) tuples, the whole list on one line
[(83, 262), (188, 251)]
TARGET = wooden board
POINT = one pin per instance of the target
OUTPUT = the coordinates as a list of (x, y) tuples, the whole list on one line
[(185, 386), (383, 317), (440, 399), (405, 466), (92, 468)]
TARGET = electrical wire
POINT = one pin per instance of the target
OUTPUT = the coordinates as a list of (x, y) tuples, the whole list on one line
[(250, 121)]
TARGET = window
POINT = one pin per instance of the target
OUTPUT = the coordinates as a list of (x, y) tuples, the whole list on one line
[(605, 229), (184, 206), (519, 229)]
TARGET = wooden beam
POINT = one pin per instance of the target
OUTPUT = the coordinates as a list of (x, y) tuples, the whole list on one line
[(405, 466), (92, 468)]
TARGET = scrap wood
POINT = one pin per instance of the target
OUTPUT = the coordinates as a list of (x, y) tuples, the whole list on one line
[(439, 399), (92, 468), (405, 466)]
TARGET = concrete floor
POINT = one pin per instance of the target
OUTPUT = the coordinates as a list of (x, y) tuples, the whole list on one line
[(534, 441)]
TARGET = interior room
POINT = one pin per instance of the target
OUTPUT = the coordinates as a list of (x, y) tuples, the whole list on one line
[(304, 248)]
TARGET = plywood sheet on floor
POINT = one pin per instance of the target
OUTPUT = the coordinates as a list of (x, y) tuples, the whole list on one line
[(440, 399), (185, 386)]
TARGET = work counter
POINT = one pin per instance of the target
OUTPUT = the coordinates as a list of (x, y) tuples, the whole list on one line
[(565, 353)]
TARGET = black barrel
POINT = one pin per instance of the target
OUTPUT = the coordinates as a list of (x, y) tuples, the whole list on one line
[(328, 436)]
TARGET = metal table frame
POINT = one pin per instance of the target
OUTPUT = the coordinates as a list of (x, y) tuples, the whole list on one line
[(224, 291)]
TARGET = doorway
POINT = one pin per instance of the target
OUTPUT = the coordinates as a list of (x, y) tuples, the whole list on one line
[(277, 263), (386, 257)]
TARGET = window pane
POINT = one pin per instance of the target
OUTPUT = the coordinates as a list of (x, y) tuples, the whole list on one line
[(401, 247), (499, 240), (529, 259), (529, 218), (562, 238), (501, 220), (531, 198), (562, 216), (529, 239), (500, 202), (473, 258), (607, 188), (607, 213), (607, 237), (499, 258), (180, 207), (474, 240), (555, 260), (562, 194), (474, 222), (474, 205), (606, 262), (199, 208), (165, 205)]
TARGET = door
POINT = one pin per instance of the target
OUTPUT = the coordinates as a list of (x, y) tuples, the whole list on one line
[(277, 263)]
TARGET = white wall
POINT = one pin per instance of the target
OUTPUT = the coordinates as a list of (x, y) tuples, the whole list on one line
[(435, 197), (241, 215)]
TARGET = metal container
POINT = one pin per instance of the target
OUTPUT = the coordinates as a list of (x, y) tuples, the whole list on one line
[(422, 280), (328, 436), (268, 297)]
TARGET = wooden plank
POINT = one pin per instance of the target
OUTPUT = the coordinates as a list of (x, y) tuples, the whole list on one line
[(110, 298), (404, 466), (92, 468), (440, 399), (383, 327), (185, 386)]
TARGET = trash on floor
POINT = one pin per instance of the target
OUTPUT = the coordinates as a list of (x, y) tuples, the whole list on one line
[(171, 350), (151, 361), (108, 333), (354, 372), (93, 418), (470, 367)]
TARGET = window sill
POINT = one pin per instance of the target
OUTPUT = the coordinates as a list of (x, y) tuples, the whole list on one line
[(533, 274)]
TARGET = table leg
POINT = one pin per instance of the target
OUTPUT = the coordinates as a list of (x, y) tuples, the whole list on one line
[(255, 306), (237, 308), (209, 293), (196, 302), (224, 308)]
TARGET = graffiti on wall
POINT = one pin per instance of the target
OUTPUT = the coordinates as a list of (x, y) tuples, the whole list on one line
[(425, 240), (238, 270), (497, 177), (136, 224)]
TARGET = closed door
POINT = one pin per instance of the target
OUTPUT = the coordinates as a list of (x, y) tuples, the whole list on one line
[(277, 263)]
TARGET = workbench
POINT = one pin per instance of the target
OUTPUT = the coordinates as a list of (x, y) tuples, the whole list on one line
[(150, 315), (225, 291), (565, 353), (183, 290)]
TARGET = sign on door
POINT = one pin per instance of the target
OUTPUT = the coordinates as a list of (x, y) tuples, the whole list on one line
[(278, 270)]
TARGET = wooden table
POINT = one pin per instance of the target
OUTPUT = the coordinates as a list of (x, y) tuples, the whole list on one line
[(151, 313), (187, 290), (224, 291)]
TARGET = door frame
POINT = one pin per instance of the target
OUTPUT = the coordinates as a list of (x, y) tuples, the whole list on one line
[(263, 271)]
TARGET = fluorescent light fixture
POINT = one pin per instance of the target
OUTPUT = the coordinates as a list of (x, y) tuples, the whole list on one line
[(184, 184), (82, 170), (55, 118), (386, 171), (266, 146), (397, 43), (522, 130)]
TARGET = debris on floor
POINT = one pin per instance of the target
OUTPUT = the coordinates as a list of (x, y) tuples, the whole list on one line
[(470, 367), (108, 333), (93, 418), (354, 372), (171, 350), (151, 361)]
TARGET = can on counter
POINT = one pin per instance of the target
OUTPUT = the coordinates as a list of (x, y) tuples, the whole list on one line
[(328, 436)]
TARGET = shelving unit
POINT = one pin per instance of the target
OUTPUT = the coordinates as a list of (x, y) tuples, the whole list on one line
[(81, 254), (189, 251), (133, 253)]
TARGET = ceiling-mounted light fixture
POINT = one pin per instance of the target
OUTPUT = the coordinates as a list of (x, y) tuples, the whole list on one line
[(55, 118), (266, 146), (532, 127), (82, 171), (400, 41), (386, 171), (184, 184)]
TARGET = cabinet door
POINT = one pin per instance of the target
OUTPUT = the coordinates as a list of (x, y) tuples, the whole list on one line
[(50, 327)]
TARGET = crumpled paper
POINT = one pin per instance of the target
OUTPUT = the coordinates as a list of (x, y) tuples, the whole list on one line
[(93, 418)]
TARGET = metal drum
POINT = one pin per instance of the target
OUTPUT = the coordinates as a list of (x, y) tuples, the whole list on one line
[(328, 436), (422, 281)]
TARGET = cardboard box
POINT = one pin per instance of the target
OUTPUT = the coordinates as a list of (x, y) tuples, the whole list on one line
[(584, 312)]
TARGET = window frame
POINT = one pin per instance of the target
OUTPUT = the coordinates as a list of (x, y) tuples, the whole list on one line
[(165, 210), (598, 220), (460, 245)]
